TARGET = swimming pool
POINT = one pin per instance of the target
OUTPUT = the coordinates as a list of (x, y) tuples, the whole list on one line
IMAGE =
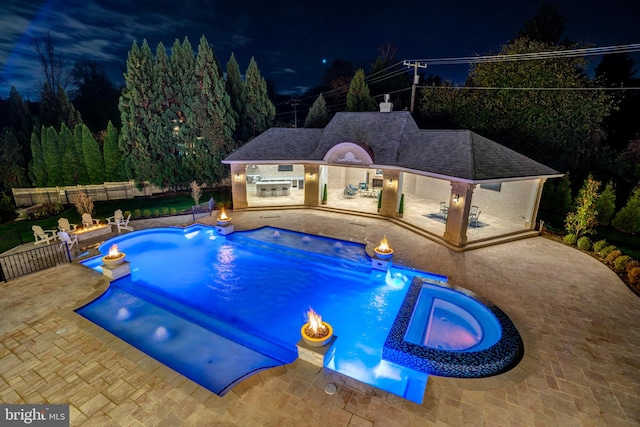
[(209, 305)]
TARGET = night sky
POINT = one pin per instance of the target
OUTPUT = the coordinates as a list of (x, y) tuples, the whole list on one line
[(290, 39)]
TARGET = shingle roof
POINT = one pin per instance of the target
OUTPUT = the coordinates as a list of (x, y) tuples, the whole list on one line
[(395, 140)]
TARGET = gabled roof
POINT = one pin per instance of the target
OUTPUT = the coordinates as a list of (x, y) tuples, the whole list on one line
[(395, 141)]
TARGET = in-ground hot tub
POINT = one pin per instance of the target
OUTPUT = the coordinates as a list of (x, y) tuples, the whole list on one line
[(449, 331)]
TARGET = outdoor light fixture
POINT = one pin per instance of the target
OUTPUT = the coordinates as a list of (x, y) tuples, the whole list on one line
[(390, 181), (237, 177), (456, 198), (311, 175)]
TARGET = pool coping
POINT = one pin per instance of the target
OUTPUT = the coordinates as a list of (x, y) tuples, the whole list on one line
[(495, 360)]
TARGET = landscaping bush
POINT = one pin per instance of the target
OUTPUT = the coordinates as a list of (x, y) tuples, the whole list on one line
[(156, 212), (612, 256), (634, 277), (146, 213), (620, 263), (584, 243), (173, 211), (607, 250), (165, 211), (600, 245), (137, 213), (570, 239), (126, 213), (631, 265)]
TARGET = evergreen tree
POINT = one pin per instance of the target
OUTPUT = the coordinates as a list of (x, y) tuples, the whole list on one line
[(606, 204), (318, 116), (70, 161), (112, 156), (359, 98), (82, 176), (137, 115), (21, 120), (259, 109), (52, 156), (55, 108), (92, 157), (37, 167), (235, 89), (628, 218), (12, 171), (211, 116)]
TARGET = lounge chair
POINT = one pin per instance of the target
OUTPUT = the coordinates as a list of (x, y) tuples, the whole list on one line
[(43, 236), (67, 240), (64, 225), (88, 221), (116, 218), (124, 224), (474, 215), (350, 191)]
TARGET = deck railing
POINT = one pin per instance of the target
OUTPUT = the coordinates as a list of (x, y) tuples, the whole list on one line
[(36, 259)]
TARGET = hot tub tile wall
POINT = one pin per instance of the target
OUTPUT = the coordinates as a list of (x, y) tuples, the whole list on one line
[(446, 363)]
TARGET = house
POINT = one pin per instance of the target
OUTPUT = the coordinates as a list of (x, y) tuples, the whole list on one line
[(454, 186)]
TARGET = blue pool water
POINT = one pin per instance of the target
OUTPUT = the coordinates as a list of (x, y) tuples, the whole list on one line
[(217, 308)]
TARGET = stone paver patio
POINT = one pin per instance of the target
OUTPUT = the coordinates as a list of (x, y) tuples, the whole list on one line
[(579, 323)]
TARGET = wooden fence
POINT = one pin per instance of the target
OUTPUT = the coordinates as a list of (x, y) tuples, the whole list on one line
[(25, 197)]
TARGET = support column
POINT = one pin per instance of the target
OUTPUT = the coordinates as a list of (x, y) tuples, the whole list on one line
[(534, 204), (239, 185), (390, 184), (311, 185), (458, 216)]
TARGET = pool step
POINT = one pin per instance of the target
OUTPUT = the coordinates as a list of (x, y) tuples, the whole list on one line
[(261, 344)]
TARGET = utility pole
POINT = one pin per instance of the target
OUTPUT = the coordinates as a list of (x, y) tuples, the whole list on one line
[(295, 104), (416, 78)]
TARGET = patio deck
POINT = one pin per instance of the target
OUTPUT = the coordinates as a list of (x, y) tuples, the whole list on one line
[(579, 323)]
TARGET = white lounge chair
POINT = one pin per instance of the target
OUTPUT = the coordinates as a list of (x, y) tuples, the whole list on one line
[(116, 218), (65, 238), (124, 224), (43, 236), (64, 225), (88, 221), (474, 215)]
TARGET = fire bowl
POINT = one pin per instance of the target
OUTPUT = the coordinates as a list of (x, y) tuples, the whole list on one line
[(113, 260), (316, 342), (383, 255), (224, 221)]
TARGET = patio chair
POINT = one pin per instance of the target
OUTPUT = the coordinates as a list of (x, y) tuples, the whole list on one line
[(350, 191), (116, 218), (88, 221), (64, 225), (66, 239), (43, 236), (444, 210), (474, 215), (124, 224)]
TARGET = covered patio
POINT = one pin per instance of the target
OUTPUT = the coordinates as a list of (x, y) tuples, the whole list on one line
[(453, 186)]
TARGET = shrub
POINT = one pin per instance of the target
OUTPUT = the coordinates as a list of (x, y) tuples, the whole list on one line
[(607, 250), (599, 245), (584, 243), (631, 265), (126, 214), (620, 263), (628, 218), (7, 208), (82, 202), (634, 277), (165, 211), (570, 239), (584, 218), (137, 213), (146, 212), (196, 192), (606, 204), (173, 211), (156, 212), (612, 256)]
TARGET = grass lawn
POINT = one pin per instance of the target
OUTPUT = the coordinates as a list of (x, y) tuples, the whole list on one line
[(182, 202)]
